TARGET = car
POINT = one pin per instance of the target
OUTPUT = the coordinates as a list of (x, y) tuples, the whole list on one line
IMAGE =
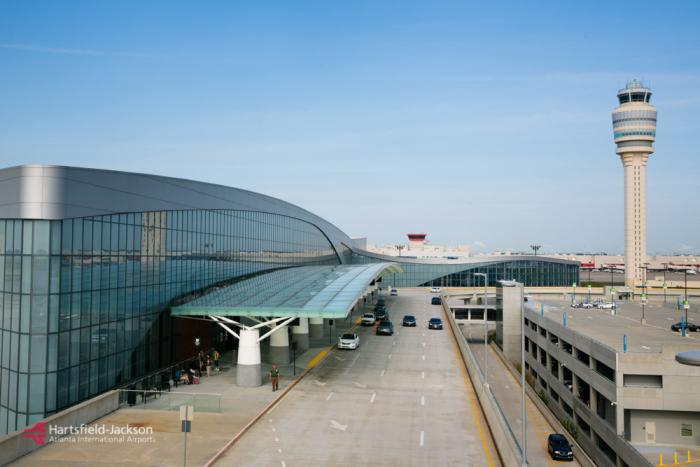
[(394, 292), (690, 327), (435, 323), (586, 305), (435, 290), (576, 305), (409, 321), (368, 319), (381, 301), (349, 341), (559, 448), (379, 307), (436, 301), (385, 328), (605, 305), (381, 315)]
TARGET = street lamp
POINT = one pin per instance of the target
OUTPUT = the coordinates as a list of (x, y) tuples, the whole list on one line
[(400, 247), (535, 248), (523, 414), (486, 326), (686, 305), (573, 298), (665, 265), (644, 301)]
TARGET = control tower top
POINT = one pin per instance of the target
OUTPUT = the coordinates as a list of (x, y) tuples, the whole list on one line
[(634, 91)]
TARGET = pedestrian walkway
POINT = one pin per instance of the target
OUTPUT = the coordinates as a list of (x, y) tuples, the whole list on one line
[(506, 390)]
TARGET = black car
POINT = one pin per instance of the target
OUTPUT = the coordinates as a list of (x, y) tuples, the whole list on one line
[(436, 301), (435, 323), (690, 327), (381, 315), (409, 320), (559, 448), (385, 328)]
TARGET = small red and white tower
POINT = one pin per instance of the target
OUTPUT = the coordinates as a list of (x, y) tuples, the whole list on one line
[(416, 241)]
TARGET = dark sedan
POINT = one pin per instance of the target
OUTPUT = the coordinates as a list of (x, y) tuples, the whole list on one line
[(559, 448), (409, 320), (436, 301), (435, 323), (385, 328), (688, 327), (381, 315)]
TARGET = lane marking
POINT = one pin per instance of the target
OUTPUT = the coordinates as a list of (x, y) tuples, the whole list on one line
[(277, 440), (269, 420), (283, 464), (340, 359), (422, 374), (422, 400), (382, 373), (422, 438), (389, 356), (329, 396), (318, 383), (361, 386), (371, 401), (279, 450), (274, 429), (319, 356), (338, 426), (423, 356)]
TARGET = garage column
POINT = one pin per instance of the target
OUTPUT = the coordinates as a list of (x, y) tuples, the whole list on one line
[(300, 334), (316, 328), (279, 346), (248, 368)]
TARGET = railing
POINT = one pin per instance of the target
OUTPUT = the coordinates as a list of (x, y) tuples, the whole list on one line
[(169, 401), (155, 380)]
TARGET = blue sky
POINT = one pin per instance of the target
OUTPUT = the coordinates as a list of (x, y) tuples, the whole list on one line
[(479, 124)]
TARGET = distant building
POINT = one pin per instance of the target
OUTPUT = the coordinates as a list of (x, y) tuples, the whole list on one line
[(418, 247)]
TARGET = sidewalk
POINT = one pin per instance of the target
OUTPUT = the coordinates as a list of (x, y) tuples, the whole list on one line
[(210, 431)]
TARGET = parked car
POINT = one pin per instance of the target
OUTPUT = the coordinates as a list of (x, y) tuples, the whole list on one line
[(586, 305), (436, 301), (349, 341), (385, 328), (435, 323), (690, 327), (605, 305), (435, 290), (394, 292), (409, 321), (559, 448), (368, 319)]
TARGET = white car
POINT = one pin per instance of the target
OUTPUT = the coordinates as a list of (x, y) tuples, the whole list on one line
[(435, 290), (394, 292), (368, 319), (605, 305), (349, 341), (587, 305)]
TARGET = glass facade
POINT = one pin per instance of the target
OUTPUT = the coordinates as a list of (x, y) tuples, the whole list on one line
[(84, 302), (531, 272)]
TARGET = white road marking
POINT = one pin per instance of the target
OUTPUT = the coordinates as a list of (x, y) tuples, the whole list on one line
[(283, 464), (269, 420), (507, 387), (277, 440), (339, 358), (389, 356), (274, 429), (422, 438), (329, 396), (422, 400), (371, 401), (382, 373), (319, 383), (361, 386), (423, 357), (422, 374), (338, 426), (279, 450)]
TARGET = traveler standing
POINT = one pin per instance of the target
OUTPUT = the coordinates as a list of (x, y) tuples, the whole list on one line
[(208, 365), (275, 377), (216, 360)]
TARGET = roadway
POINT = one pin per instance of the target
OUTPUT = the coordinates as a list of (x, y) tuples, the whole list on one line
[(400, 400)]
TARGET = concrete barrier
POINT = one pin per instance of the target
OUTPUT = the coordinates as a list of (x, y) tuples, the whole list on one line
[(15, 445), (507, 446)]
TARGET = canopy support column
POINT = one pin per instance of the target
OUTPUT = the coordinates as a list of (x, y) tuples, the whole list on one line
[(249, 365), (300, 334), (316, 328)]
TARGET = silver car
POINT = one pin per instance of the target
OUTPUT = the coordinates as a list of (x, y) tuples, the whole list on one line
[(349, 341)]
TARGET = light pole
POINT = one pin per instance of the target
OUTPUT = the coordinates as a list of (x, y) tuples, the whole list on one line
[(573, 299), (486, 326), (400, 247), (686, 305), (523, 414), (665, 265), (535, 248)]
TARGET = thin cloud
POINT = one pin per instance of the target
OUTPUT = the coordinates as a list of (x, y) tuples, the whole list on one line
[(480, 244), (65, 51)]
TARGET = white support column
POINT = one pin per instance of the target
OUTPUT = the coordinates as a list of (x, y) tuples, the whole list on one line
[(249, 368), (316, 328), (300, 334), (279, 346)]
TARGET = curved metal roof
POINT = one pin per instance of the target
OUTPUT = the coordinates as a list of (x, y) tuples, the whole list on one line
[(304, 292), (690, 357)]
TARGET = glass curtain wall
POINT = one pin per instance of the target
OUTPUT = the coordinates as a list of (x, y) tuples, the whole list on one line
[(83, 301)]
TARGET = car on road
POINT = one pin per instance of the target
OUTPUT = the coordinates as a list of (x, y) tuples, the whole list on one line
[(394, 292), (436, 301), (605, 305), (559, 448), (381, 315), (368, 319), (385, 328), (435, 290), (690, 327), (409, 321), (435, 323), (349, 341)]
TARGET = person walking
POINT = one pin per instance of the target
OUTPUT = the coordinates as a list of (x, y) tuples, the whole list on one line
[(275, 377), (217, 355), (208, 366)]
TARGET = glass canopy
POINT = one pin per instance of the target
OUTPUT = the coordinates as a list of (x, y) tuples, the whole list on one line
[(304, 292)]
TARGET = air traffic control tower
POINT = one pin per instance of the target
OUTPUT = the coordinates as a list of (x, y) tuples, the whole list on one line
[(634, 126)]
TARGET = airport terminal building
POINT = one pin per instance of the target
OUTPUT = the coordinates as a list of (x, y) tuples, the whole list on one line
[(92, 261)]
